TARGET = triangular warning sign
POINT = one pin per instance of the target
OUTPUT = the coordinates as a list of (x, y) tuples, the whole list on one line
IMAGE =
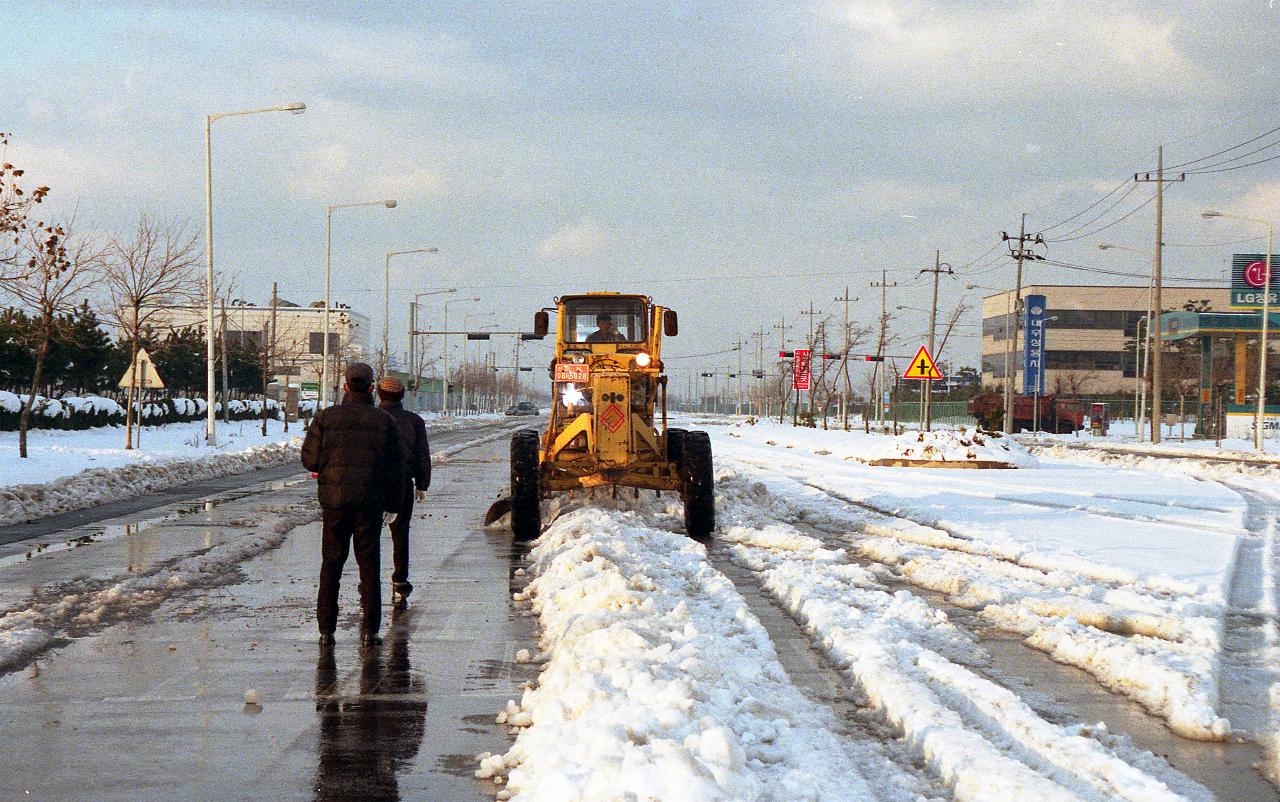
[(922, 367), (146, 375)]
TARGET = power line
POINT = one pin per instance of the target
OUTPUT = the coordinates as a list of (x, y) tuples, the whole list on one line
[(1234, 167), (1121, 219), (1087, 208), (1227, 150), (1125, 274), (1101, 214)]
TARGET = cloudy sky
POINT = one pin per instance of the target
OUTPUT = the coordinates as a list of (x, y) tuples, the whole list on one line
[(734, 160)]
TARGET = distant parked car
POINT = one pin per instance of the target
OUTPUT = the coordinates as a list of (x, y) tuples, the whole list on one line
[(522, 408)]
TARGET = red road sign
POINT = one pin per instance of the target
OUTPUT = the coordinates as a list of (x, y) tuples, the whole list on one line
[(800, 370)]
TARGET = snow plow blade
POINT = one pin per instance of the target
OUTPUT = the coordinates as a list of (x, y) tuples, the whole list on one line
[(497, 509)]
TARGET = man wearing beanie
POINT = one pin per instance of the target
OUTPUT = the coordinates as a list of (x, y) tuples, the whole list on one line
[(417, 472), (355, 449)]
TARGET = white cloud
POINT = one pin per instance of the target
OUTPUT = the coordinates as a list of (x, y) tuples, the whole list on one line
[(1262, 201), (954, 52), (897, 198), (582, 240), (332, 172)]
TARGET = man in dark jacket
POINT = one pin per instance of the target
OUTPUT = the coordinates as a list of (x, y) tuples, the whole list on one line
[(355, 448), (417, 472)]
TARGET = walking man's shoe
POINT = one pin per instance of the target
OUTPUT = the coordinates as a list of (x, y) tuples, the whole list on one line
[(400, 593), (326, 640), (369, 639)]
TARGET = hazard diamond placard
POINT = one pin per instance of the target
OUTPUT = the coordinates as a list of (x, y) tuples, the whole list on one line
[(922, 367)]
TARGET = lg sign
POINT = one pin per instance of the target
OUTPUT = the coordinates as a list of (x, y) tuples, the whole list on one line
[(1255, 273)]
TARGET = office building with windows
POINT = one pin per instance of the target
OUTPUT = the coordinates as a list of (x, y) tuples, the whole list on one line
[(299, 342), (1090, 335)]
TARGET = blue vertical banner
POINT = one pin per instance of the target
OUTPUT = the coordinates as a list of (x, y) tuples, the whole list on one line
[(1033, 345)]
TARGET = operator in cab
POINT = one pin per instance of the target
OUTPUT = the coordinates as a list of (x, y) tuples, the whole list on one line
[(605, 331)]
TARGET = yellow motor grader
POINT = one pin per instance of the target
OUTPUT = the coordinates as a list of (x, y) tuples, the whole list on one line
[(607, 385)]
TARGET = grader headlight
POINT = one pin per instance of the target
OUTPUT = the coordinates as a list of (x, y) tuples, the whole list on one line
[(571, 396), (642, 359)]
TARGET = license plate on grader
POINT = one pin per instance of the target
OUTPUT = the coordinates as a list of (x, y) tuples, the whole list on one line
[(608, 388)]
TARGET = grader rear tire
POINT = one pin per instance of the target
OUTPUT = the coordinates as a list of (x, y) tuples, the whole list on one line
[(526, 495), (700, 491)]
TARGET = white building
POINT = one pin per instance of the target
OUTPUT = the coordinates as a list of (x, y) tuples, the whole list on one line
[(298, 346)]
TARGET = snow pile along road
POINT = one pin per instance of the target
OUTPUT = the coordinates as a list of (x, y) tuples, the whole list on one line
[(981, 738), (99, 485), (962, 445), (660, 684), (951, 445)]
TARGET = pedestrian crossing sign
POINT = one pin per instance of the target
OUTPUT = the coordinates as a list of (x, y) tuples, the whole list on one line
[(922, 367)]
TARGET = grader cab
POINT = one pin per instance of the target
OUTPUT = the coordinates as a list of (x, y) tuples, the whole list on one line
[(609, 395)]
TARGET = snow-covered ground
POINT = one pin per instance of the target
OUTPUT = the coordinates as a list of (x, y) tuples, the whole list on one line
[(1125, 572), (53, 454), (72, 470), (659, 683)]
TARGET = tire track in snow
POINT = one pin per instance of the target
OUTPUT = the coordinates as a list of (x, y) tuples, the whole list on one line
[(1249, 683), (1133, 639), (975, 734)]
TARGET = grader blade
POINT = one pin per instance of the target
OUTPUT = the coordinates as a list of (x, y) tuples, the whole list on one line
[(497, 509)]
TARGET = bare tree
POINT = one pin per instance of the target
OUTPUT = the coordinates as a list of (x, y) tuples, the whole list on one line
[(146, 272), (57, 268), (15, 209)]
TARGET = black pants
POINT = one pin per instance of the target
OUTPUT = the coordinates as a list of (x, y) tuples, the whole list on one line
[(340, 528), (400, 540)]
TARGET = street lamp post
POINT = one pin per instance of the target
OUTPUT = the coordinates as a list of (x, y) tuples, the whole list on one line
[(413, 329), (210, 433), (447, 411), (328, 253), (386, 299), (1261, 414), (466, 326)]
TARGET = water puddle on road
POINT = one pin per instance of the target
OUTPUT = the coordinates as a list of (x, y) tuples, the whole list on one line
[(101, 533)]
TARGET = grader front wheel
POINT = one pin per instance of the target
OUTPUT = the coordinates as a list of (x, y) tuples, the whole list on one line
[(699, 496), (526, 495)]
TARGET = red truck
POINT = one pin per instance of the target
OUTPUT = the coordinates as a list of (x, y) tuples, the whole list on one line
[(1063, 415)]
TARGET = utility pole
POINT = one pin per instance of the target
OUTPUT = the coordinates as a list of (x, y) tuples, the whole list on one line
[(926, 387), (226, 385), (268, 351), (884, 286), (1011, 320), (844, 362), (810, 313), (1154, 328), (738, 403), (782, 346), (413, 362)]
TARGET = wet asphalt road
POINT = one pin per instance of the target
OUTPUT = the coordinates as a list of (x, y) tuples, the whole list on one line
[(152, 707)]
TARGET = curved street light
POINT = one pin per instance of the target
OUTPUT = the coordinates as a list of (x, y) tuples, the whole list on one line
[(1261, 413), (386, 299), (328, 252), (210, 432)]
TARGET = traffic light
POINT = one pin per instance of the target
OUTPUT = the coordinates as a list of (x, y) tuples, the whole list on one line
[(830, 356), (786, 354), (477, 335), (707, 375), (532, 336), (759, 374), (872, 358)]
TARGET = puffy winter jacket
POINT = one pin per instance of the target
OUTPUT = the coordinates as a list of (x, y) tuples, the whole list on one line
[(355, 448), (413, 436)]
